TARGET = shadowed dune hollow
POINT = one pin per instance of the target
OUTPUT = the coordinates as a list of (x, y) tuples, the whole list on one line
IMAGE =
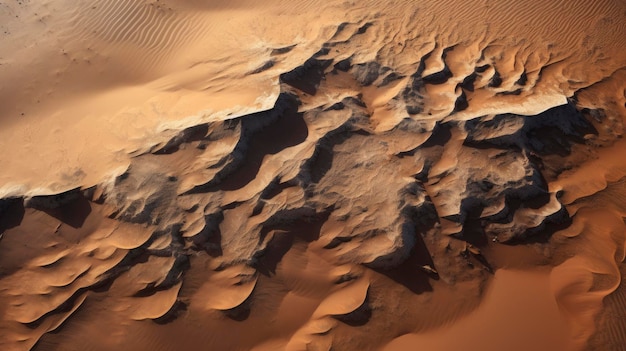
[(198, 175)]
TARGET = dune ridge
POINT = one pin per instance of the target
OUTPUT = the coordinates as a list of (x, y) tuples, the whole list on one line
[(371, 178)]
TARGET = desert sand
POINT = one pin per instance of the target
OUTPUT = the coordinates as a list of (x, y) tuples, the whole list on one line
[(312, 175)]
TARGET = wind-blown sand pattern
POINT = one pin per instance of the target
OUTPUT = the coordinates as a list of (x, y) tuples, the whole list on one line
[(308, 175)]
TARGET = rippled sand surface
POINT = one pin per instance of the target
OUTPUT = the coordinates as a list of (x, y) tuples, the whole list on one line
[(312, 175)]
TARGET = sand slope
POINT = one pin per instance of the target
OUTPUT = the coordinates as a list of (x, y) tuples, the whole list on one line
[(312, 175)]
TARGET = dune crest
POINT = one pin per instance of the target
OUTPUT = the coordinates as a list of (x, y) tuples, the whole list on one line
[(189, 174)]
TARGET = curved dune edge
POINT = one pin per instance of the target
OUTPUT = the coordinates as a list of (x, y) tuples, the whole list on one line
[(372, 178), (162, 66)]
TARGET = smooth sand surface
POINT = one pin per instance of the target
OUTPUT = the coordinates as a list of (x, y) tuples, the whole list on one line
[(312, 175)]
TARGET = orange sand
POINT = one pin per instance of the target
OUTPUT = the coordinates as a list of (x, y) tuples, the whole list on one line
[(312, 175)]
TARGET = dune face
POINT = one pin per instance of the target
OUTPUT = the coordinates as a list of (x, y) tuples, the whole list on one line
[(205, 175)]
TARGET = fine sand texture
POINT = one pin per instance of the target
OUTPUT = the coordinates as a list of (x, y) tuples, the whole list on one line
[(312, 175)]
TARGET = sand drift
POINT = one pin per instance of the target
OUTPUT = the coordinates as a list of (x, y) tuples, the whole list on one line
[(305, 176)]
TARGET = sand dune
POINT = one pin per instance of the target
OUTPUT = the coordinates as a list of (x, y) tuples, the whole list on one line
[(188, 174)]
